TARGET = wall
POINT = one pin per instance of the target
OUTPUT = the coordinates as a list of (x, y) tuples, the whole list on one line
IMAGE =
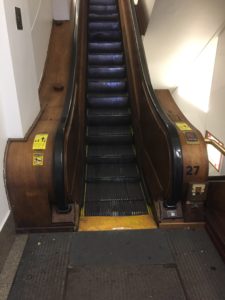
[(215, 117), (61, 9), (183, 56), (23, 64), (177, 33), (149, 5), (40, 18), (4, 208)]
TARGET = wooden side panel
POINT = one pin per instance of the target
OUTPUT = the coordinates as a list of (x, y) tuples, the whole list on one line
[(194, 152), (152, 138), (75, 131), (29, 185), (215, 214), (142, 16)]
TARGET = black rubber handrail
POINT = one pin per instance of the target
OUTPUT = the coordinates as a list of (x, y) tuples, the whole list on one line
[(176, 151), (58, 155)]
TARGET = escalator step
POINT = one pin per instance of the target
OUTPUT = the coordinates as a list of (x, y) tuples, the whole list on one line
[(120, 116), (102, 2), (105, 59), (107, 86), (112, 173), (114, 191), (99, 26), (101, 101), (115, 72), (108, 47), (105, 36), (120, 135), (103, 9), (102, 17), (110, 154), (115, 208)]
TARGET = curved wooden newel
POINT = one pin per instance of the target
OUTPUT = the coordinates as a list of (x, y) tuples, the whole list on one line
[(195, 159), (28, 172), (173, 161)]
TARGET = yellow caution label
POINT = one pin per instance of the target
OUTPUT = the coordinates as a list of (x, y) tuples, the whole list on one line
[(183, 126), (40, 141), (38, 159)]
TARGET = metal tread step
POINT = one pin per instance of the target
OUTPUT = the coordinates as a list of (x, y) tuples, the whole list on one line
[(107, 85), (106, 59), (110, 154), (103, 9), (114, 191), (103, 101), (115, 208), (106, 72), (103, 25), (102, 17), (112, 173), (102, 2), (104, 47), (105, 35), (119, 135), (102, 116)]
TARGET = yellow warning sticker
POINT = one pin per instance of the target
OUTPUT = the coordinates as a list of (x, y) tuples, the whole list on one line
[(38, 159), (183, 126), (40, 141)]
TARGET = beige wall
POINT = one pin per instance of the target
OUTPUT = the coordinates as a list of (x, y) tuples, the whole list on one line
[(40, 17), (176, 35)]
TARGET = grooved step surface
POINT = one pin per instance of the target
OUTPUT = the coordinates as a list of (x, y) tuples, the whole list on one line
[(109, 122), (109, 35), (102, 17), (102, 2), (113, 154), (109, 135), (108, 116), (105, 59), (98, 26), (106, 72), (104, 86), (103, 101), (115, 208), (112, 173), (107, 47), (103, 9), (116, 191)]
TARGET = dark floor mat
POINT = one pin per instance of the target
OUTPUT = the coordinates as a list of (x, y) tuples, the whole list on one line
[(128, 265), (120, 248), (201, 268), (136, 282), (42, 270)]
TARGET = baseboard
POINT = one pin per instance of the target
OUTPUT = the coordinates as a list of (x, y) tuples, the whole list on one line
[(7, 237)]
